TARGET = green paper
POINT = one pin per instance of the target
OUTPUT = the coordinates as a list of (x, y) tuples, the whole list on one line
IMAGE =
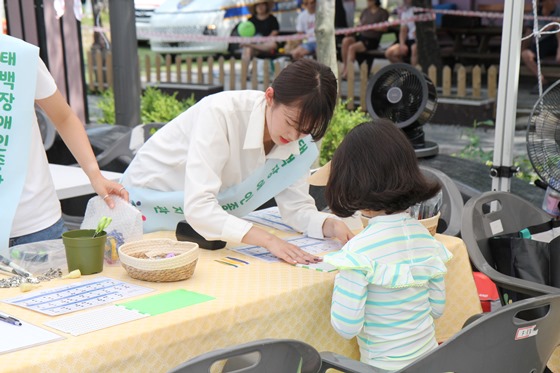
[(165, 302)]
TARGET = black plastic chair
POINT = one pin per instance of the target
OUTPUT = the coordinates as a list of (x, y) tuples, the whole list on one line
[(505, 340), (510, 215), (267, 355)]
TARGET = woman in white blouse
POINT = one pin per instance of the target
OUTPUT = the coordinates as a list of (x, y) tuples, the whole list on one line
[(233, 151)]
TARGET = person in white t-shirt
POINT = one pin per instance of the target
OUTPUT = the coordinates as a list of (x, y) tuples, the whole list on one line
[(406, 47), (223, 139), (305, 24), (38, 216)]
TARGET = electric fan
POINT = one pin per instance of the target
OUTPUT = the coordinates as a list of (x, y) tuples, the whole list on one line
[(543, 144), (406, 96)]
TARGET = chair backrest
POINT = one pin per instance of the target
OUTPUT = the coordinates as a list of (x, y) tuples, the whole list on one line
[(110, 142), (511, 214), (452, 202), (275, 356), (505, 340)]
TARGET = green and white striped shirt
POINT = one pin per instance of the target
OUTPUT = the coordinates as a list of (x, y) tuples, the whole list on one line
[(389, 290)]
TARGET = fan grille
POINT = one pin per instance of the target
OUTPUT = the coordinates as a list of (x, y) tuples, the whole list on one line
[(543, 137), (403, 94)]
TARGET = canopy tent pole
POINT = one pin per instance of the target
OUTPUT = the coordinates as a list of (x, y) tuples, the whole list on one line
[(506, 105)]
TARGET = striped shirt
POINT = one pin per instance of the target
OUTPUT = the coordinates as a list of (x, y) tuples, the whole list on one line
[(389, 290)]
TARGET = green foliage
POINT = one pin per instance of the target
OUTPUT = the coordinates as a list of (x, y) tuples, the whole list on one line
[(107, 107), (160, 107), (342, 122), (473, 151), (155, 106)]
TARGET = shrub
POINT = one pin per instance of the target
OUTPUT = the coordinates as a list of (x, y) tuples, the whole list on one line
[(342, 122), (155, 106), (160, 107)]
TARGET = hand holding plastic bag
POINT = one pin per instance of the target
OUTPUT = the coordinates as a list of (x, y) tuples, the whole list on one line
[(126, 225)]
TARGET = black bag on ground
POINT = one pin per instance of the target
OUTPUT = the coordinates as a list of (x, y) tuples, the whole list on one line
[(533, 254)]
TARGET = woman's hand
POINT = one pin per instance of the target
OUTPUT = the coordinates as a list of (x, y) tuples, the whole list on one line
[(291, 253), (335, 228), (282, 249), (104, 188)]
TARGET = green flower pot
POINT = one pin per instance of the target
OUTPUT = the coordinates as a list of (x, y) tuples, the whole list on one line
[(83, 251)]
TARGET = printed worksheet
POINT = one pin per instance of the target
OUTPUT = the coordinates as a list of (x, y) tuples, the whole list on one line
[(311, 245), (78, 296), (269, 217)]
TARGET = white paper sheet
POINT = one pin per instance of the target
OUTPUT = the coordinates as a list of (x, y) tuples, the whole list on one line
[(77, 296), (14, 337), (269, 217), (90, 321), (313, 246)]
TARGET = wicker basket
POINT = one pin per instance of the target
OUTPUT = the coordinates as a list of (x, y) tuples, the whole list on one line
[(146, 259), (431, 223)]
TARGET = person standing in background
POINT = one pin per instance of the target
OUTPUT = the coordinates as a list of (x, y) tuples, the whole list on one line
[(38, 215)]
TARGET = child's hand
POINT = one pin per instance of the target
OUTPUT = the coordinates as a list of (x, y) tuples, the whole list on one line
[(335, 228)]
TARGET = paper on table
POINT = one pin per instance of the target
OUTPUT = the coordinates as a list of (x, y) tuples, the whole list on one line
[(90, 321), (269, 217), (15, 337), (165, 302), (312, 246), (78, 296)]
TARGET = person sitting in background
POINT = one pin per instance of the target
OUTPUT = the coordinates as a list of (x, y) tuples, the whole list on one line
[(406, 47), (390, 286), (305, 25), (548, 43), (266, 24), (364, 40)]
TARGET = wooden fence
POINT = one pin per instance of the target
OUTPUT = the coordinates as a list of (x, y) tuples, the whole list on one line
[(461, 82)]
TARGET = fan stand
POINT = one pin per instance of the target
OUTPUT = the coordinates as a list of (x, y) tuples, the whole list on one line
[(421, 147)]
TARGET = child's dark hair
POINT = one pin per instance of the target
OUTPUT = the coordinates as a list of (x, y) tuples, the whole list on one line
[(311, 86), (375, 168)]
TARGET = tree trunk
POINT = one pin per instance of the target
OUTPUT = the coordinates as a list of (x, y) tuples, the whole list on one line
[(426, 39), (324, 32), (326, 45)]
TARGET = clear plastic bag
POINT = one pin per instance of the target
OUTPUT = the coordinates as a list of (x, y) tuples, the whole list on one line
[(125, 227), (39, 257)]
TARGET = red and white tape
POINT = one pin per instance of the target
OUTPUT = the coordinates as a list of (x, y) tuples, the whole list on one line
[(425, 15)]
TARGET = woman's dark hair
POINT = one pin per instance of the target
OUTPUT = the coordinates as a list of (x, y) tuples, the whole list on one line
[(311, 86), (375, 168)]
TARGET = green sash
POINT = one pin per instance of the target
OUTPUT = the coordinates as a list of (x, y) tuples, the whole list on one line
[(18, 77)]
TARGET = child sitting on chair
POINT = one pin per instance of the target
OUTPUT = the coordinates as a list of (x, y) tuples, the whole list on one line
[(390, 287)]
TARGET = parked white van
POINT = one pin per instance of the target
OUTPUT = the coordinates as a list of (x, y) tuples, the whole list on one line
[(143, 10), (209, 17)]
